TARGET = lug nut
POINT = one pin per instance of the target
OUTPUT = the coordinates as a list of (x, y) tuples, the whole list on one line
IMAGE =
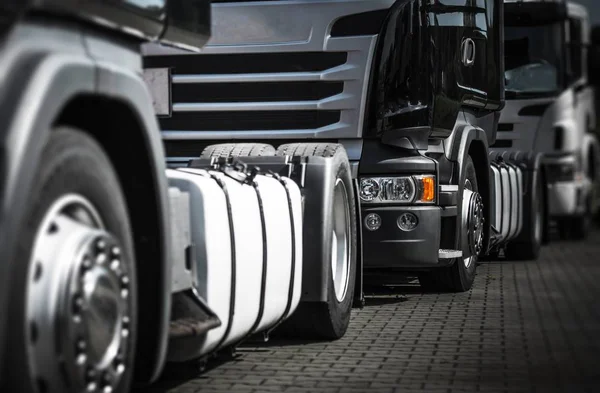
[(90, 374), (87, 262), (91, 387), (81, 359), (101, 245), (125, 281), (120, 368), (116, 251), (77, 304), (107, 378), (114, 265), (101, 258), (81, 345), (124, 293)]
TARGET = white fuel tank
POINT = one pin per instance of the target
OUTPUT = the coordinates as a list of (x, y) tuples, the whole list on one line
[(521, 184), (498, 199), (515, 196), (281, 201), (249, 255), (507, 202)]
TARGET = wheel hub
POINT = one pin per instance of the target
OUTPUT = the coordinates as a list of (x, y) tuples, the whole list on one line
[(473, 224), (78, 302)]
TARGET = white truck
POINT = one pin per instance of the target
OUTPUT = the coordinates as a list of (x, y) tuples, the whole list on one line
[(550, 106)]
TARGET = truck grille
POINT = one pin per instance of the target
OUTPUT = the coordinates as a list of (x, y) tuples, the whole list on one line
[(255, 91), (276, 71)]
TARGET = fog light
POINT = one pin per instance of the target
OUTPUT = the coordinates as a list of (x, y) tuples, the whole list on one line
[(407, 221), (373, 221)]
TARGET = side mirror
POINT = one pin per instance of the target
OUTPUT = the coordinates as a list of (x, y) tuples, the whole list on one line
[(594, 56)]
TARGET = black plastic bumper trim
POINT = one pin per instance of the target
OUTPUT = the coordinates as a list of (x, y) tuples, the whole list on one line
[(391, 247)]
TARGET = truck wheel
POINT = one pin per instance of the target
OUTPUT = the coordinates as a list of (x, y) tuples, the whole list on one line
[(337, 246), (576, 228), (73, 300), (238, 150), (529, 247), (460, 276)]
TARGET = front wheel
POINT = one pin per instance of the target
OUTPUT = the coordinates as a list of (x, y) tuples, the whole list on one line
[(460, 276), (73, 309)]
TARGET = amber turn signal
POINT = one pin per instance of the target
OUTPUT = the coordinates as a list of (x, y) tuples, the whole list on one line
[(426, 185)]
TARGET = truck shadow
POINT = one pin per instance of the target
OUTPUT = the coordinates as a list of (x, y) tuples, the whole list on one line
[(177, 374)]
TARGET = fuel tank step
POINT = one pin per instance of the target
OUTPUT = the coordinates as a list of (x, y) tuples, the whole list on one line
[(190, 317), (449, 254)]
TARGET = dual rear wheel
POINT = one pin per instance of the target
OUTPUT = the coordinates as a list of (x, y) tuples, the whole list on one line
[(329, 235)]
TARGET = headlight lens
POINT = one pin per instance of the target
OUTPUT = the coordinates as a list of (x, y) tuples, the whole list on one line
[(369, 190), (402, 189)]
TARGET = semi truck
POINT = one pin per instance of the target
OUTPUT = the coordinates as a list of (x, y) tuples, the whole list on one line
[(550, 107), (408, 92), (110, 264)]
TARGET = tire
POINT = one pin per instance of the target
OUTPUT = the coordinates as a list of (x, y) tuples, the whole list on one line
[(75, 170), (575, 228), (238, 150), (530, 243), (328, 320), (458, 277)]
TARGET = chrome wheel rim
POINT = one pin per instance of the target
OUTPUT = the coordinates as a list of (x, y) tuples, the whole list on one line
[(340, 243), (473, 206), (77, 301)]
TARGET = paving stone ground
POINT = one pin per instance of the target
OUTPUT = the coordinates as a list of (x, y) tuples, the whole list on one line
[(524, 327)]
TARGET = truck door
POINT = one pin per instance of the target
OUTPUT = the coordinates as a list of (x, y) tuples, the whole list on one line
[(577, 74), (474, 28), (480, 62)]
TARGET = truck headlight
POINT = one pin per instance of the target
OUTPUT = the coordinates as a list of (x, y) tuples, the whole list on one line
[(401, 189)]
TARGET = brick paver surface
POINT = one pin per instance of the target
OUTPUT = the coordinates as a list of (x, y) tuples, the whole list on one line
[(524, 327)]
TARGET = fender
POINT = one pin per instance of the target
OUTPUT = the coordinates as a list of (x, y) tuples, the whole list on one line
[(590, 145), (47, 68), (126, 85), (570, 139), (457, 151), (35, 85)]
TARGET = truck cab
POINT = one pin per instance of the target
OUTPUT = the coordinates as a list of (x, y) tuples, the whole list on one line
[(84, 199), (550, 105)]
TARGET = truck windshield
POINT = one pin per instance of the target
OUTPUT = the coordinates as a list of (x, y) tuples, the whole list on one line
[(533, 60)]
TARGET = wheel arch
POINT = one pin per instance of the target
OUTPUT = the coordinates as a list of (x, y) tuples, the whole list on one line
[(472, 141), (591, 154), (49, 88), (124, 138), (31, 96)]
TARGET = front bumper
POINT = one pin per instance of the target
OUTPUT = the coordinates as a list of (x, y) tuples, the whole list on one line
[(391, 247), (568, 188), (567, 198)]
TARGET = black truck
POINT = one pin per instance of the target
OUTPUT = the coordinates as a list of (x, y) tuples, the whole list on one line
[(409, 92)]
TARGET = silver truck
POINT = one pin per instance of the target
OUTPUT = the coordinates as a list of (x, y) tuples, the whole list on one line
[(550, 106), (110, 263)]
